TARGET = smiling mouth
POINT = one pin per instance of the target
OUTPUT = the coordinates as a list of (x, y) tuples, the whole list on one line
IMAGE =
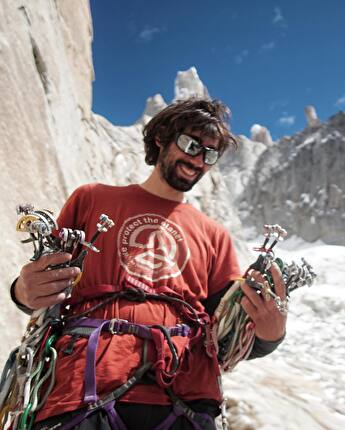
[(188, 171)]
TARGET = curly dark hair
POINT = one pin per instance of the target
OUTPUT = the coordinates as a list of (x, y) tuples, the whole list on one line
[(210, 117)]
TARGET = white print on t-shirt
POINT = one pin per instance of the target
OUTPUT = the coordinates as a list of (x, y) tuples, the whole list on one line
[(152, 247)]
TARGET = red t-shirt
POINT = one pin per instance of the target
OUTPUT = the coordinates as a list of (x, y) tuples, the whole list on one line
[(158, 242)]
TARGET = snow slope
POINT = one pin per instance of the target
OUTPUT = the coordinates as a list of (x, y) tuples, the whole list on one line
[(302, 384)]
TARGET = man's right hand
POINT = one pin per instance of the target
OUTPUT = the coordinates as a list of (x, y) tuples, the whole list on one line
[(38, 287)]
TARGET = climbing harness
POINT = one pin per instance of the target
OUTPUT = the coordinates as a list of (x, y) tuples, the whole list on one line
[(91, 329), (32, 365), (232, 329), (161, 370)]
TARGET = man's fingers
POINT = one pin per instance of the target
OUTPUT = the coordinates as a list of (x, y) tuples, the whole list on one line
[(251, 295), (248, 307), (34, 295), (32, 287), (53, 288), (55, 275), (279, 285), (51, 260), (45, 301)]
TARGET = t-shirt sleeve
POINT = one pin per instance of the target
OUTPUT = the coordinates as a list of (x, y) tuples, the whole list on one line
[(224, 263), (75, 211)]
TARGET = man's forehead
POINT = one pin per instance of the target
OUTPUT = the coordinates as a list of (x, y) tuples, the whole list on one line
[(205, 138)]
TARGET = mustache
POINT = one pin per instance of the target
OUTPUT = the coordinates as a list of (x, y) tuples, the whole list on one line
[(189, 165)]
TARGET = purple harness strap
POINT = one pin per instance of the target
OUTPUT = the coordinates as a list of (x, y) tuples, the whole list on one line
[(108, 403), (118, 326), (114, 418), (90, 369), (199, 421), (116, 422), (114, 326), (169, 421)]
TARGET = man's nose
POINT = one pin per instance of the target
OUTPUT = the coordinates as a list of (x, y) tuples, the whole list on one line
[(198, 160)]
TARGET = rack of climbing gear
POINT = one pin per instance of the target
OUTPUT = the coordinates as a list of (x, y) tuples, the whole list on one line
[(233, 330), (29, 373)]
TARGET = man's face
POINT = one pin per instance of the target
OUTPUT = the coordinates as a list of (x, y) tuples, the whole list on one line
[(182, 171)]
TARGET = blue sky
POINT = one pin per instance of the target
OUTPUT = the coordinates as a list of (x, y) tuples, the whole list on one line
[(266, 59)]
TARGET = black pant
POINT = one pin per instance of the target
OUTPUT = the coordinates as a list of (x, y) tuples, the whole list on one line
[(135, 416)]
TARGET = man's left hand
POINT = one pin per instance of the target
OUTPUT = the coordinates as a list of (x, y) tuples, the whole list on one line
[(269, 321)]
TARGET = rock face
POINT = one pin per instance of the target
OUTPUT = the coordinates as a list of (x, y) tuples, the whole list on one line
[(260, 133), (153, 105), (299, 183), (46, 73), (188, 84), (238, 168), (311, 115)]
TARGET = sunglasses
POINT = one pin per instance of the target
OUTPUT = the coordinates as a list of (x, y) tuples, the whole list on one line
[(191, 145)]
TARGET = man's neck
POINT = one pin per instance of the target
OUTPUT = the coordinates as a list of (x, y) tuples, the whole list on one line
[(154, 184)]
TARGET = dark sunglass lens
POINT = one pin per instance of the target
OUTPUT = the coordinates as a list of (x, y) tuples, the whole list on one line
[(211, 157), (193, 148), (188, 145)]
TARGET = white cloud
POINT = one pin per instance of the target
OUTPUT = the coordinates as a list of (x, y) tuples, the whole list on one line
[(278, 104), (239, 58), (148, 33), (286, 120), (267, 47), (278, 16), (340, 101)]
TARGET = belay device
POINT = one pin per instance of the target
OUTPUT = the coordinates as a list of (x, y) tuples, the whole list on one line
[(32, 364)]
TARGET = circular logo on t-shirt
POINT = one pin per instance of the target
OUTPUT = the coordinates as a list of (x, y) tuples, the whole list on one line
[(152, 247)]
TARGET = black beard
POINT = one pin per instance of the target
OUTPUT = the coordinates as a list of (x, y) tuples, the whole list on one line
[(168, 172)]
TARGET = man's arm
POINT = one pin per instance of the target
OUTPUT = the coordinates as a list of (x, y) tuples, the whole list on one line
[(264, 347), (19, 305)]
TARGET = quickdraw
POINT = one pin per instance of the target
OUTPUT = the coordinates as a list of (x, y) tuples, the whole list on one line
[(232, 330), (32, 364)]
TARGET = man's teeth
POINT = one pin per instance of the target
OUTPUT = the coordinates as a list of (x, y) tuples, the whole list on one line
[(187, 170)]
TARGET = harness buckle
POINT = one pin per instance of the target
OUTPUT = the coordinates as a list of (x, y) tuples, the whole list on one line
[(95, 405), (182, 330), (115, 325)]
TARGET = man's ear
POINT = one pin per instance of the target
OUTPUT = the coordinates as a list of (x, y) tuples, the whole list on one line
[(158, 142)]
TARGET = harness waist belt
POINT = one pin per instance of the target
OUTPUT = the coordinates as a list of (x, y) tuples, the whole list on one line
[(86, 326)]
